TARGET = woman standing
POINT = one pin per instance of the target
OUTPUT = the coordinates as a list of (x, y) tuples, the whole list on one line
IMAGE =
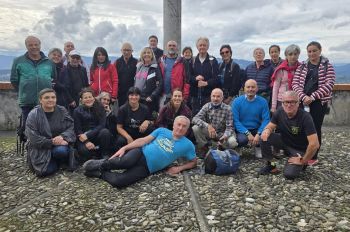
[(89, 126), (283, 75), (61, 83), (49, 130), (229, 75), (148, 79), (103, 74), (274, 52), (313, 81), (260, 71)]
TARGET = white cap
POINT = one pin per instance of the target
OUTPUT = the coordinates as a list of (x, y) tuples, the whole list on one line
[(74, 53)]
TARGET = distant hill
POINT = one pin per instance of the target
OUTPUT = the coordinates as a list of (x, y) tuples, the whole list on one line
[(342, 70)]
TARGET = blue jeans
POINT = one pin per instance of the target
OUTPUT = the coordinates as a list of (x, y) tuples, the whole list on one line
[(242, 139), (59, 155)]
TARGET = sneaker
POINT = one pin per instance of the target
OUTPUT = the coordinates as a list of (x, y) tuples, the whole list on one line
[(258, 152), (312, 162), (268, 169), (93, 165)]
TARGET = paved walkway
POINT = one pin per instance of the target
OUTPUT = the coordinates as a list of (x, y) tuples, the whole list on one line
[(318, 201)]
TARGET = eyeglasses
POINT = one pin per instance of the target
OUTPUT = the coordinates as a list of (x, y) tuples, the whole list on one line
[(225, 52), (292, 103), (127, 50), (75, 57)]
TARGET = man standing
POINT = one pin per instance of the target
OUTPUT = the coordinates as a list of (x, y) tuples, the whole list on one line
[(153, 42), (214, 123), (297, 137), (126, 69), (173, 71), (146, 155), (76, 76), (31, 73), (68, 47), (250, 116)]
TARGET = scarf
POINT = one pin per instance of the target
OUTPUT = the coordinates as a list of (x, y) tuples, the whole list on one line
[(290, 70)]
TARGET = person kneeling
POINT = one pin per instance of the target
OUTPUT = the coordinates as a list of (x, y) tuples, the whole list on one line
[(49, 130), (298, 137), (146, 155)]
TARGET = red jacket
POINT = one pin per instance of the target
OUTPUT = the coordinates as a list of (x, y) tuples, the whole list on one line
[(102, 80), (178, 75)]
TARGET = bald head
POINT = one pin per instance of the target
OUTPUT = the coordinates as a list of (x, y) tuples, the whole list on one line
[(250, 88), (68, 47), (217, 96)]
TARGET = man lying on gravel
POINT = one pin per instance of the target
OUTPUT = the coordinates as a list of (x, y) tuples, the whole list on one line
[(146, 155), (297, 137)]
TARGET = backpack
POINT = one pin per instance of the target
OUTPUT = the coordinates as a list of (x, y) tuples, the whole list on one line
[(219, 162)]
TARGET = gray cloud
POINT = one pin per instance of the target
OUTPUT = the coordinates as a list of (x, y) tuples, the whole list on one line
[(73, 22)]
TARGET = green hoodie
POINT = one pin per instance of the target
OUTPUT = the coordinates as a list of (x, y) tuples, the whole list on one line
[(29, 78)]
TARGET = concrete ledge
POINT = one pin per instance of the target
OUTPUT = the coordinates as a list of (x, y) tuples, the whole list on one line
[(5, 85), (339, 113)]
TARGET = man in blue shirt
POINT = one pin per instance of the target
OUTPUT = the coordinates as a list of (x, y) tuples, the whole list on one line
[(250, 116), (146, 155)]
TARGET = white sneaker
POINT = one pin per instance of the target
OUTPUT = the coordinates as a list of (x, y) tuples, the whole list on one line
[(258, 152)]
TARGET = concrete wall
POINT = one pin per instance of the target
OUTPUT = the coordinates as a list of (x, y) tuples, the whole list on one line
[(339, 114), (9, 110), (340, 108)]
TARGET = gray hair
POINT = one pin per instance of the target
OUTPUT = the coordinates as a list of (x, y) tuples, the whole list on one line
[(52, 50), (259, 48), (32, 37), (292, 49), (102, 95), (183, 117), (291, 93), (127, 44), (204, 39)]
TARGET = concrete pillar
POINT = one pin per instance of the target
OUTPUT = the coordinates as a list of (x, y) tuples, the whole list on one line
[(172, 22)]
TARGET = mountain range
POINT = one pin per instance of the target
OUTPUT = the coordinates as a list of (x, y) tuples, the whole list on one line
[(342, 70)]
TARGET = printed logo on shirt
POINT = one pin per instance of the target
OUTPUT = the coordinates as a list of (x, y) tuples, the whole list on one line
[(134, 123), (295, 130), (166, 144)]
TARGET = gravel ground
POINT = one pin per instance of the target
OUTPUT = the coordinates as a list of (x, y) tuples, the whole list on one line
[(318, 201)]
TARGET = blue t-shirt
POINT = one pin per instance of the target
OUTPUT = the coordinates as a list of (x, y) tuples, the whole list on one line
[(164, 150), (169, 63)]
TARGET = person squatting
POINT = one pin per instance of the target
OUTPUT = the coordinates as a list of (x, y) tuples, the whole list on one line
[(140, 115)]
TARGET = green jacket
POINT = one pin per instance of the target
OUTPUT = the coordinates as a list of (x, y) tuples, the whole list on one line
[(29, 78)]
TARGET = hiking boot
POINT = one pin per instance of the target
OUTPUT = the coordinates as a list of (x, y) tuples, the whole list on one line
[(312, 162), (92, 168), (269, 169), (96, 173)]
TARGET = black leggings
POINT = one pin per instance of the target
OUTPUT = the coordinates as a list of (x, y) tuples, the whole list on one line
[(318, 111), (136, 169)]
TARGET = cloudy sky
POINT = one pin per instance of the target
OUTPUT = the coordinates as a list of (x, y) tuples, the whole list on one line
[(244, 24)]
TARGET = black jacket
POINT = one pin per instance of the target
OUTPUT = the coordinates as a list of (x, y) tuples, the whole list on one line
[(232, 80)]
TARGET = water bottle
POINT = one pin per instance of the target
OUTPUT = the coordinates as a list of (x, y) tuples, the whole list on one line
[(307, 108)]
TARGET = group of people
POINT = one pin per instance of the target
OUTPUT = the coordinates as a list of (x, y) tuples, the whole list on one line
[(141, 115)]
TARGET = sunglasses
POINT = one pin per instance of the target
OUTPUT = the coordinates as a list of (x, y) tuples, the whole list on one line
[(225, 52)]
